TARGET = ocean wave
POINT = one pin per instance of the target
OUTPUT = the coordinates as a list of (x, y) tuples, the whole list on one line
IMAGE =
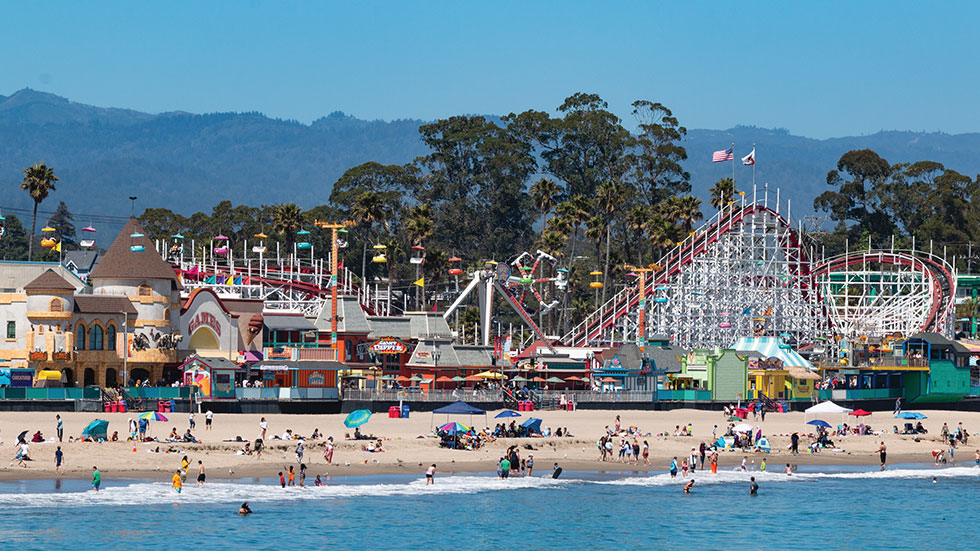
[(161, 493)]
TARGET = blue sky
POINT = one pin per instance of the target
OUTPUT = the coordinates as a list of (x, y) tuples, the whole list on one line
[(819, 69)]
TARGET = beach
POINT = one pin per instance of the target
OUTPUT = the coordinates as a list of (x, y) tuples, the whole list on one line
[(410, 448)]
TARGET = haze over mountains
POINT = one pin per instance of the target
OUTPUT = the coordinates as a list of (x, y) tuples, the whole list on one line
[(189, 162)]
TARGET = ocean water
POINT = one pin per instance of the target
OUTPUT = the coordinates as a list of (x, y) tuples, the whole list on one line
[(816, 508)]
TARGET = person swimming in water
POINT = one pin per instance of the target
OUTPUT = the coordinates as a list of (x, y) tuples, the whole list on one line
[(244, 510), (688, 486), (753, 487), (788, 470)]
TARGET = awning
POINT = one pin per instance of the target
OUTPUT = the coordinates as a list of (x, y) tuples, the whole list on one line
[(288, 323), (49, 375)]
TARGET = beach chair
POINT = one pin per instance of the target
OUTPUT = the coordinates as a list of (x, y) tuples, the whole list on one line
[(909, 429)]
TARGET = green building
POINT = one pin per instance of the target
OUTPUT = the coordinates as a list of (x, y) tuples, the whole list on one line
[(721, 374)]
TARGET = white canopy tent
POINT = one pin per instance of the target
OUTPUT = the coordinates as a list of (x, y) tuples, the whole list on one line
[(826, 407)]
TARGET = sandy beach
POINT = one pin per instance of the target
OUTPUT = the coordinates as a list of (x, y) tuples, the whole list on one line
[(410, 448)]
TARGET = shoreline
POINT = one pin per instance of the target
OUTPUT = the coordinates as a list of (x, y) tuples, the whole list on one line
[(270, 469)]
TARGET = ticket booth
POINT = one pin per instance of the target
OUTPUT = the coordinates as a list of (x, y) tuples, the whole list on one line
[(215, 377)]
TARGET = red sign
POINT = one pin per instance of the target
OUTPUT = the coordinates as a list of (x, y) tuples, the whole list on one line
[(206, 319), (388, 346)]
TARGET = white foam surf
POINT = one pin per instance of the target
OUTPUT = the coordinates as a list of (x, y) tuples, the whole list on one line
[(161, 493)]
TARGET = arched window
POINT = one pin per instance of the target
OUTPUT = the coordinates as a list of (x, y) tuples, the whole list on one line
[(145, 290), (56, 305), (95, 338), (110, 337), (80, 336)]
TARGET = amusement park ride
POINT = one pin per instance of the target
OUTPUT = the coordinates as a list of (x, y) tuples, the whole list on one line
[(747, 272)]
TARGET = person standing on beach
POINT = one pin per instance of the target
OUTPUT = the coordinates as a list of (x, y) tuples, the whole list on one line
[(200, 474), (61, 427), (143, 423), (530, 464), (646, 452), (299, 451), (898, 406), (190, 420), (753, 487), (58, 457), (328, 451), (302, 475), (96, 478), (795, 446), (263, 426), (132, 429), (430, 474), (178, 483), (673, 468), (703, 450), (882, 454), (209, 417)]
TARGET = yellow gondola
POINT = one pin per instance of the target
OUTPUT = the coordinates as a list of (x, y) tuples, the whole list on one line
[(48, 243)]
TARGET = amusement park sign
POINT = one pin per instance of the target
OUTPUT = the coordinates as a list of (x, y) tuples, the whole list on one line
[(388, 346)]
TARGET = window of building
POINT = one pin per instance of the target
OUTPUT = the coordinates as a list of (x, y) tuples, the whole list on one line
[(80, 337), (110, 337), (95, 338), (11, 329), (145, 290), (56, 305)]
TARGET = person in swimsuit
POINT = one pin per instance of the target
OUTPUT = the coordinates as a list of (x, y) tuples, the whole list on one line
[(244, 510), (96, 478), (753, 487), (430, 474), (688, 486), (882, 454), (302, 475), (200, 474)]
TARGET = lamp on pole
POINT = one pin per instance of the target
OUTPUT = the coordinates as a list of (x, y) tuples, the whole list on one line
[(132, 199)]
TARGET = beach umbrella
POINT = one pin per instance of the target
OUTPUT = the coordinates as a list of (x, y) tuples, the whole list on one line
[(459, 379), (357, 418), (608, 380), (533, 424), (403, 379), (910, 415), (489, 375), (444, 379), (152, 416), (22, 437), (819, 423), (506, 413), (743, 427), (96, 429), (519, 378), (573, 379), (538, 380), (453, 427), (415, 378), (473, 378), (860, 413), (555, 380)]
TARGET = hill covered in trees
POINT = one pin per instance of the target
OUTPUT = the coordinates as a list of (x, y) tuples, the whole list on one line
[(188, 162)]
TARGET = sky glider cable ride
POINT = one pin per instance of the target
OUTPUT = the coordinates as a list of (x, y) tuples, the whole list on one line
[(88, 240), (260, 248), (595, 284), (454, 266), (379, 254), (303, 234), (136, 247), (418, 254)]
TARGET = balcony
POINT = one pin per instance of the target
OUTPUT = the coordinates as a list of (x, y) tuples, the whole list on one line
[(289, 353)]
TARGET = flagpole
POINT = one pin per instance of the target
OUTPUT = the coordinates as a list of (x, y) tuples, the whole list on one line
[(733, 164), (753, 166)]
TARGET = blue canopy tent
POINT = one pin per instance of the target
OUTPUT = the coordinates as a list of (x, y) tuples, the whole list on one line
[(459, 408), (506, 413), (96, 430), (532, 424)]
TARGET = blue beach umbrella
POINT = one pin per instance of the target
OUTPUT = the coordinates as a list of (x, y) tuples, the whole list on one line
[(357, 418), (533, 424), (96, 429), (819, 423), (910, 415), (507, 413)]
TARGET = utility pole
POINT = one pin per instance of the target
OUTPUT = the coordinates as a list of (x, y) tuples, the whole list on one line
[(641, 275), (334, 250)]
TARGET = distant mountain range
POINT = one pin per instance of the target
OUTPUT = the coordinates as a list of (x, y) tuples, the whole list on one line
[(189, 162)]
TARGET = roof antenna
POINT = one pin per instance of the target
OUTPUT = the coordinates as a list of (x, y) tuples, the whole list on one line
[(133, 199)]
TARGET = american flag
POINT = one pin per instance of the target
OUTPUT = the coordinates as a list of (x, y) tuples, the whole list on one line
[(723, 155)]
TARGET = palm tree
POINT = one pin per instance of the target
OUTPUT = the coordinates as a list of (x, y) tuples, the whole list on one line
[(393, 252), (38, 182), (684, 209), (968, 309), (662, 233), (609, 199), (287, 218), (419, 227), (369, 207), (636, 222), (545, 194), (722, 192)]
